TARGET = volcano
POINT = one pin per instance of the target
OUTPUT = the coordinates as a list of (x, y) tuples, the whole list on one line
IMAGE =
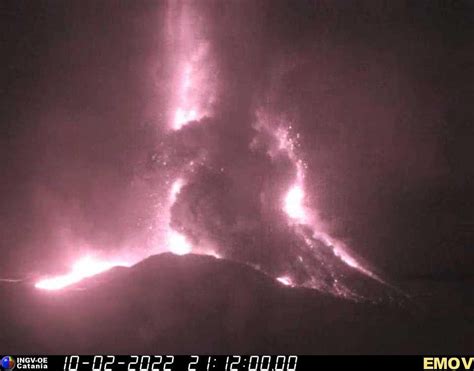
[(199, 304)]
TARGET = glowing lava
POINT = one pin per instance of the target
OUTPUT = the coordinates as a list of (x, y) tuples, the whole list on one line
[(294, 201), (293, 205), (178, 243), (285, 280), (192, 97), (183, 117), (87, 266)]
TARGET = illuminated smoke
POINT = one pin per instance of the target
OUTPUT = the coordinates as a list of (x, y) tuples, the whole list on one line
[(176, 242), (175, 189), (193, 85), (305, 221), (87, 266), (191, 67), (313, 259)]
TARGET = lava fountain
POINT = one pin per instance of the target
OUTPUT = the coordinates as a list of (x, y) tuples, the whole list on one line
[(192, 70)]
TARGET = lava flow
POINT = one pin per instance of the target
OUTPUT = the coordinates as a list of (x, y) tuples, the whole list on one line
[(87, 266), (314, 261)]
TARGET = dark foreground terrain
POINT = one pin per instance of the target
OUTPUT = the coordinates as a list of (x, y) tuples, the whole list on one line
[(196, 304)]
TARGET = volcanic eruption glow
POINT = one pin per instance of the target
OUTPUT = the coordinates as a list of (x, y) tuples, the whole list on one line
[(192, 72), (85, 267), (299, 215), (175, 189), (189, 55), (294, 204), (178, 243), (285, 280)]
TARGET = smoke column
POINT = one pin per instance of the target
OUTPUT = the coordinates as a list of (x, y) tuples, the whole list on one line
[(234, 174)]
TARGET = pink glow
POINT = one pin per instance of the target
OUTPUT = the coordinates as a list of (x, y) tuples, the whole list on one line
[(87, 266), (183, 117), (293, 202), (177, 243), (293, 205), (285, 280), (191, 67), (175, 189), (346, 258), (192, 95), (212, 253)]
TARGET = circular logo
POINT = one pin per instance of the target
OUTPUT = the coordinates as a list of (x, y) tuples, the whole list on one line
[(8, 363)]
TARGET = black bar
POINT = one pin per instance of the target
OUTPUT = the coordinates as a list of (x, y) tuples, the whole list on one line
[(234, 362)]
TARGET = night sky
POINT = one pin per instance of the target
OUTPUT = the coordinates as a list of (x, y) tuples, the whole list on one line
[(375, 96)]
